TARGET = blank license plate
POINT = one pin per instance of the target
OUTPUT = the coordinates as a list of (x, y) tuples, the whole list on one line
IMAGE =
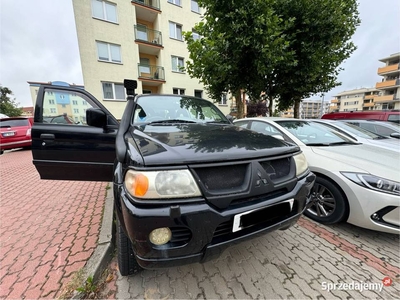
[(256, 216)]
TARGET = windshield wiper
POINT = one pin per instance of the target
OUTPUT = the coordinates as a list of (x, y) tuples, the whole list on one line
[(170, 121), (218, 122)]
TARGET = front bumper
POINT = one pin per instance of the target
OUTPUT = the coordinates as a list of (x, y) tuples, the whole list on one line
[(201, 232)]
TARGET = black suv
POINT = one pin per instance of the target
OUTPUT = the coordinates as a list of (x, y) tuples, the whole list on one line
[(186, 181)]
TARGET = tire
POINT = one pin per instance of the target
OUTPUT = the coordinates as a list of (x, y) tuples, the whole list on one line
[(328, 203), (127, 263)]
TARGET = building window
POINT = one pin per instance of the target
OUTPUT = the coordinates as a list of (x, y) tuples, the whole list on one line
[(113, 91), (84, 102), (146, 91), (144, 66), (51, 101), (74, 102), (177, 91), (176, 2), (175, 31), (109, 52), (104, 10), (195, 6), (223, 99), (198, 93), (178, 64), (195, 36), (53, 110), (76, 111)]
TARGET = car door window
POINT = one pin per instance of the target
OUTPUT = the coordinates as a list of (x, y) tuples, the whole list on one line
[(65, 107)]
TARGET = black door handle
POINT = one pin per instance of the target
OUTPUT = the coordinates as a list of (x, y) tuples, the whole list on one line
[(47, 136)]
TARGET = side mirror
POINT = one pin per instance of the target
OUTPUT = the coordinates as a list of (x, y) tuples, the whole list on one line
[(96, 117), (395, 135), (230, 118)]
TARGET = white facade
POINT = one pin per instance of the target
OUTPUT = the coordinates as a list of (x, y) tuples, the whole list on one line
[(139, 39)]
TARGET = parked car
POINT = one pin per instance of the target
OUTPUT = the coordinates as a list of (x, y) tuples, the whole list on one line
[(387, 129), (361, 135), (356, 183), (15, 132), (378, 115), (186, 181)]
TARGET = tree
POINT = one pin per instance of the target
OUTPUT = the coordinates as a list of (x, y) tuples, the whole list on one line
[(289, 49), (240, 43), (8, 106), (320, 37)]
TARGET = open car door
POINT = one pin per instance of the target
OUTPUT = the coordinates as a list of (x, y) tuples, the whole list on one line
[(64, 145)]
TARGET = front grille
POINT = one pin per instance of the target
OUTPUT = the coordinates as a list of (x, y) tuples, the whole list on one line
[(222, 177), (277, 168)]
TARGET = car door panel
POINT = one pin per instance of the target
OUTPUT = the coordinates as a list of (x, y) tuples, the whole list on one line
[(69, 149)]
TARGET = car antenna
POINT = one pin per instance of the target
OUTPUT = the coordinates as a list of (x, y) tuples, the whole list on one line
[(130, 85)]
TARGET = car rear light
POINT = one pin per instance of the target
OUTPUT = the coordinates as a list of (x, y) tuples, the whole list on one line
[(28, 132)]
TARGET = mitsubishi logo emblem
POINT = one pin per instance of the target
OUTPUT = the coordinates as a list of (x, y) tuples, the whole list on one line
[(260, 179)]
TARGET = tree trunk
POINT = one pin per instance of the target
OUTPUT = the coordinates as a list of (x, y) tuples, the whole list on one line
[(270, 106), (239, 104), (296, 108)]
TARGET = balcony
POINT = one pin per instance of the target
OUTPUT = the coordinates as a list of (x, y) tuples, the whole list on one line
[(152, 75), (147, 9), (149, 41), (384, 98), (388, 84), (368, 104), (369, 96), (389, 69)]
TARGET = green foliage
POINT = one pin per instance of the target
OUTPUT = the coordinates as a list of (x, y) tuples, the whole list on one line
[(289, 49), (8, 106), (320, 37), (88, 287), (240, 43)]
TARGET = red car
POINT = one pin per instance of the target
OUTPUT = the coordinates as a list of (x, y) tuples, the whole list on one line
[(15, 132)]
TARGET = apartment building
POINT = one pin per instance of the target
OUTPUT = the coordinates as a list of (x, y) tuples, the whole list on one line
[(354, 100), (309, 109), (138, 39), (389, 87), (385, 95)]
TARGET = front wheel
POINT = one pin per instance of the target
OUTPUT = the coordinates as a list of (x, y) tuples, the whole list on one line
[(127, 263), (328, 205)]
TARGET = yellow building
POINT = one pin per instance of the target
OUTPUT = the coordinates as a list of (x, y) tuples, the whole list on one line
[(354, 100), (138, 39), (389, 87)]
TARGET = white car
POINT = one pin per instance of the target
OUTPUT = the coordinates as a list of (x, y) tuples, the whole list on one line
[(356, 183), (360, 134)]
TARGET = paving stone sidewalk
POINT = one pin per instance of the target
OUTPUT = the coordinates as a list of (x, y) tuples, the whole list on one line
[(48, 229)]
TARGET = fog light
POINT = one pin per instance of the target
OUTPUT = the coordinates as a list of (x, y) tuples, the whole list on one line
[(160, 236)]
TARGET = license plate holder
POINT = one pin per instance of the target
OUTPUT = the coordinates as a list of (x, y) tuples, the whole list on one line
[(256, 216)]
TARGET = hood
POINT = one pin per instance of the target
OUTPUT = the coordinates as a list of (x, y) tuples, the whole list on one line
[(171, 144), (368, 159)]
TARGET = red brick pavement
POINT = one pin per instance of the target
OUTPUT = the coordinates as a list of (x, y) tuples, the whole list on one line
[(48, 229)]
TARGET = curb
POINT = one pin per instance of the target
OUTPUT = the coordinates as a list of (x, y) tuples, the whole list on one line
[(103, 253)]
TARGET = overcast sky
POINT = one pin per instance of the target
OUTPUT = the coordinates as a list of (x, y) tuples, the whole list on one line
[(38, 42)]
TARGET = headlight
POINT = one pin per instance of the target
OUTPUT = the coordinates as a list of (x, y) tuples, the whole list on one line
[(301, 164), (374, 182), (161, 184)]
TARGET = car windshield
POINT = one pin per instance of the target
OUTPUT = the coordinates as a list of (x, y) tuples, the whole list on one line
[(314, 134), (153, 109), (357, 131)]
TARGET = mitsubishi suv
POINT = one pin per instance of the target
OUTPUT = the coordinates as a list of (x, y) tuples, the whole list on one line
[(186, 181)]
